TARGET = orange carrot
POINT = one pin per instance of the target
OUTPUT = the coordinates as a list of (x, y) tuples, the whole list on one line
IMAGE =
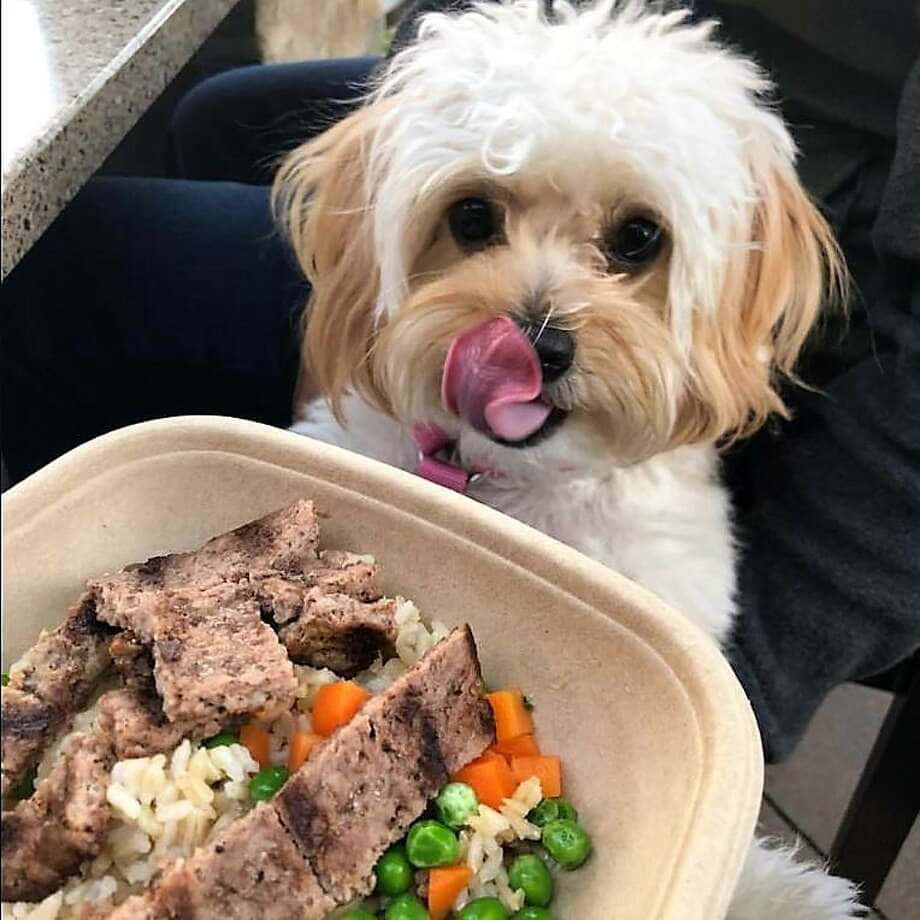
[(254, 737), (302, 743), (335, 704), (522, 746), (491, 779), (444, 884), (511, 716), (547, 769)]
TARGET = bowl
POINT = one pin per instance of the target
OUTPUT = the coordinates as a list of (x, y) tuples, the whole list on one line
[(660, 749)]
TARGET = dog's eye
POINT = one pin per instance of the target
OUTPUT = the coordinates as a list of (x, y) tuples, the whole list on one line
[(634, 242), (473, 222)]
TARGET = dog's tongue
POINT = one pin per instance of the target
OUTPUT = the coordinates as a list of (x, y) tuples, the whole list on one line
[(492, 379)]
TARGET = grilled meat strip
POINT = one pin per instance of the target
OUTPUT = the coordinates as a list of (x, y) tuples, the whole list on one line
[(63, 824)]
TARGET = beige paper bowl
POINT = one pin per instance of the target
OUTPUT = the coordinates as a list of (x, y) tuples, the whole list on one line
[(660, 750)]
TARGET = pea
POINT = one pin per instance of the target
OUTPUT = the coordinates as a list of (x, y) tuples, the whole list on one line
[(456, 803), (532, 913), (551, 810), (528, 873), (222, 739), (356, 913), (4, 678), (266, 783), (26, 786), (430, 843), (484, 909), (406, 907), (567, 842), (394, 873)]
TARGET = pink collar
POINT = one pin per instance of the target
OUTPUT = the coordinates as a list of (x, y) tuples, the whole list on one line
[(432, 440)]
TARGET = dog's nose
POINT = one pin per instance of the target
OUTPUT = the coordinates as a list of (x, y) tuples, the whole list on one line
[(554, 347)]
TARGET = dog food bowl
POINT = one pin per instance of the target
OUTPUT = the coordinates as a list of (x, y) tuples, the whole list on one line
[(660, 749)]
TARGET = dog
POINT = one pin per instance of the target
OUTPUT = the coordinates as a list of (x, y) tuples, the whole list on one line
[(558, 261)]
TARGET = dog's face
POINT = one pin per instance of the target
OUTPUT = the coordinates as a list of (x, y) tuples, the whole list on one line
[(567, 244)]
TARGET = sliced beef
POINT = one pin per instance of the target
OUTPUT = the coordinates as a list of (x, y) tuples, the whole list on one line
[(137, 727), (253, 869), (284, 542), (360, 791), (214, 659), (48, 836), (339, 632), (133, 661), (28, 726), (51, 682)]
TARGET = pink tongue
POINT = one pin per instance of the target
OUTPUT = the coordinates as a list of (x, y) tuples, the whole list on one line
[(492, 378)]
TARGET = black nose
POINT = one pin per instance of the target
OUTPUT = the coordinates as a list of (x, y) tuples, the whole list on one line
[(554, 347)]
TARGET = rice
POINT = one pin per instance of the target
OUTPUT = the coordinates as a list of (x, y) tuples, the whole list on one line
[(165, 806), (483, 841)]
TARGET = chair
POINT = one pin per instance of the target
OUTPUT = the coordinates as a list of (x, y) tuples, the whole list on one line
[(886, 800)]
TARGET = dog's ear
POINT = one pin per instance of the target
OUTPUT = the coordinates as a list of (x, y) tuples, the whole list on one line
[(784, 273), (322, 197)]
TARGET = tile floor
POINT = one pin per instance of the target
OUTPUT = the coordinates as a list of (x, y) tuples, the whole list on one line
[(805, 797)]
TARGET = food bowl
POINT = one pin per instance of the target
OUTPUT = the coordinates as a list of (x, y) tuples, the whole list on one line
[(659, 746)]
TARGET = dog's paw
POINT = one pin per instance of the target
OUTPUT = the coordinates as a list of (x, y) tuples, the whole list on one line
[(776, 884)]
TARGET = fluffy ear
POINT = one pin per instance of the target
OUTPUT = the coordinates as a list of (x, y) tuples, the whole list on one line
[(773, 295), (322, 198)]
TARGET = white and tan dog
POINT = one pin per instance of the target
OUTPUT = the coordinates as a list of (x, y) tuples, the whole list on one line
[(565, 259)]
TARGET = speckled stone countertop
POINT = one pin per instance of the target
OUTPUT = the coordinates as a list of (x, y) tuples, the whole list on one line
[(77, 75)]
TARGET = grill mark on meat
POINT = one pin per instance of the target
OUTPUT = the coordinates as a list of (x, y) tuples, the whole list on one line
[(47, 837), (52, 681)]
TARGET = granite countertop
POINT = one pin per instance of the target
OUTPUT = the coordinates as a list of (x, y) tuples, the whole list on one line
[(77, 75)]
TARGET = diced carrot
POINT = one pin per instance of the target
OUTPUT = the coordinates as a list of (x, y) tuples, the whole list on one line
[(491, 779), (547, 769), (522, 746), (511, 716), (254, 737), (444, 884), (336, 704), (302, 743)]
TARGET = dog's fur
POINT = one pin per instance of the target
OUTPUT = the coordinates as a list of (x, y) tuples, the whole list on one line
[(571, 124)]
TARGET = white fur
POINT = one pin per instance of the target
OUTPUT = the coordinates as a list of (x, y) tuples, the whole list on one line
[(677, 122)]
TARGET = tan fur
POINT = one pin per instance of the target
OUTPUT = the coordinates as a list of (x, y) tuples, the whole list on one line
[(771, 300), (629, 379), (292, 30), (320, 198)]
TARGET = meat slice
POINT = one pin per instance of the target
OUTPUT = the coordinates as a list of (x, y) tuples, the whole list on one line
[(135, 724), (50, 683), (339, 632), (133, 661), (361, 789), (48, 836), (335, 572), (28, 727), (283, 542)]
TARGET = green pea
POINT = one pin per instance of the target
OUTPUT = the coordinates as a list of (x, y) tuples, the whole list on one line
[(356, 913), (532, 913), (266, 783), (529, 873), (222, 739), (406, 907), (567, 842), (456, 803), (551, 810), (430, 843), (394, 873), (484, 909), (4, 678), (26, 786)]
